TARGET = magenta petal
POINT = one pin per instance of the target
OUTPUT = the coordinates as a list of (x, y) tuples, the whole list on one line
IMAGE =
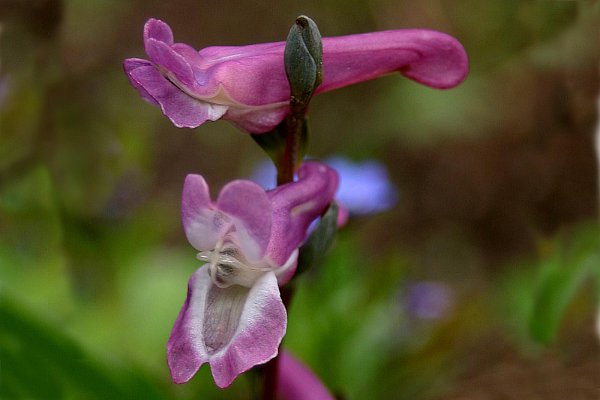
[(250, 205), (297, 381), (158, 30), (186, 351), (188, 52), (183, 110), (296, 205), (251, 80), (131, 64), (233, 329), (203, 224), (432, 58), (257, 120), (171, 61)]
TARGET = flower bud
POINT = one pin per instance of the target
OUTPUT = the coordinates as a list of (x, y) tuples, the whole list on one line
[(303, 59)]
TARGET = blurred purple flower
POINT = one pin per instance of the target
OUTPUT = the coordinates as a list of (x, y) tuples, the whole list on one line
[(365, 187), (297, 381), (429, 300), (233, 317), (247, 85)]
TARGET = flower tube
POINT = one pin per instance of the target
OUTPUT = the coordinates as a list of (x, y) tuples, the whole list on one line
[(298, 382), (247, 85)]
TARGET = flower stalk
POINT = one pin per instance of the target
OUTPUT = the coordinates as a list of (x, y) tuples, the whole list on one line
[(303, 61)]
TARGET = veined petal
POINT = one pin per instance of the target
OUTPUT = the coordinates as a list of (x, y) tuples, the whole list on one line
[(297, 381), (255, 74), (158, 30), (188, 52), (184, 111), (186, 350), (296, 205), (261, 327), (250, 205), (257, 120), (203, 224), (429, 57), (171, 61), (233, 329), (131, 64)]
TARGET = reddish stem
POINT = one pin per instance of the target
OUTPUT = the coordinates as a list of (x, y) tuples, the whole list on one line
[(285, 174), (271, 373)]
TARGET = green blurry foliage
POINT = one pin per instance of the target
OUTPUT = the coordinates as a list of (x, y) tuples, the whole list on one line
[(32, 260), (41, 362), (315, 249), (324, 328), (348, 321), (18, 121), (537, 297), (560, 279)]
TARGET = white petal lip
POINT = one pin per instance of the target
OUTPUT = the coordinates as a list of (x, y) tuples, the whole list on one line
[(256, 340)]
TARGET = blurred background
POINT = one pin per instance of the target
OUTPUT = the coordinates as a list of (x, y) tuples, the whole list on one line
[(478, 281)]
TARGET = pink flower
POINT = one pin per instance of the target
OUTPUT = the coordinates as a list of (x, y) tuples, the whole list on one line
[(233, 317), (247, 85), (297, 381)]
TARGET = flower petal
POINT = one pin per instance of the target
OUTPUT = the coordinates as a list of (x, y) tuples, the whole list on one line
[(432, 58), (298, 382), (233, 329), (248, 203), (203, 224), (365, 187), (262, 326), (183, 110), (174, 63), (296, 205), (257, 120), (158, 30), (186, 350), (251, 79), (131, 64)]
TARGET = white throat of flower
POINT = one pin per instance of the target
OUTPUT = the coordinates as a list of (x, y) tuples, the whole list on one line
[(227, 266)]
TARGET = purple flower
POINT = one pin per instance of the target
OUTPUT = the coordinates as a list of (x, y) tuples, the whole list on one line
[(233, 317), (365, 187), (429, 300), (247, 85), (297, 382)]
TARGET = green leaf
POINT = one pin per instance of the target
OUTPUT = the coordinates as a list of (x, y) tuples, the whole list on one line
[(43, 362), (559, 280), (274, 142), (321, 239)]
